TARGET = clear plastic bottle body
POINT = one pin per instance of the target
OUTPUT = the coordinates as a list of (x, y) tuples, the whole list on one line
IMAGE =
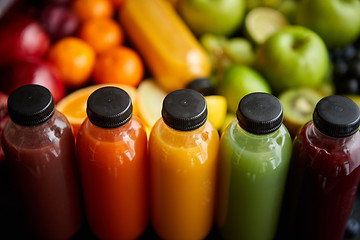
[(183, 180), (323, 180), (42, 167), (113, 164), (252, 176), (173, 54)]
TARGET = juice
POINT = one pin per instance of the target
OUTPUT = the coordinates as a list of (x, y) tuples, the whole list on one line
[(114, 173), (42, 167), (328, 185), (46, 182), (325, 172), (254, 161), (183, 178), (252, 182), (170, 50)]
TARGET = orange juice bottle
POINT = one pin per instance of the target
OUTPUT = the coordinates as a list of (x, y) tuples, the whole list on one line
[(170, 50), (112, 148), (183, 148)]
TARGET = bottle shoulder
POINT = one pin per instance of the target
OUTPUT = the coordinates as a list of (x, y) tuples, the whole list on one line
[(311, 138), (243, 140), (257, 155), (131, 131), (330, 155), (163, 134), (48, 133)]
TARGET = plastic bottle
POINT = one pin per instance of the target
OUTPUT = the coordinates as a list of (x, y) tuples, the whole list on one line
[(255, 151), (112, 147), (40, 150), (169, 48), (324, 174), (183, 148)]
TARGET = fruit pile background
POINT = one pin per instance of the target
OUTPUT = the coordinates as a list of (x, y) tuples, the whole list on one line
[(298, 50)]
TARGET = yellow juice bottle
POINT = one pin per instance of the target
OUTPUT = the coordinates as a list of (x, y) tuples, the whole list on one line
[(183, 148)]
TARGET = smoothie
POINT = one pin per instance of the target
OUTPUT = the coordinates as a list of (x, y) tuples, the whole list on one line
[(327, 182), (183, 151), (252, 181), (44, 176), (183, 181), (112, 151), (255, 151), (325, 171)]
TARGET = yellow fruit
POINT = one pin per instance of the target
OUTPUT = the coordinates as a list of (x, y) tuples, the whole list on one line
[(150, 99), (217, 108)]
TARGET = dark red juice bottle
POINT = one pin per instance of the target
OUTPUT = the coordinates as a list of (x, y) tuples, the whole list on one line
[(324, 171), (39, 149)]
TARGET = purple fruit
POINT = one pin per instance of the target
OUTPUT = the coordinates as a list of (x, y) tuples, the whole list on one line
[(59, 21)]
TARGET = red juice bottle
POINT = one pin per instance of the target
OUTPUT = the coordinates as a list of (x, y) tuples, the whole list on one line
[(39, 147), (324, 172)]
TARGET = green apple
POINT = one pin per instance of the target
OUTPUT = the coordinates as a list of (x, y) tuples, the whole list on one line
[(293, 57), (222, 17), (238, 81), (336, 21)]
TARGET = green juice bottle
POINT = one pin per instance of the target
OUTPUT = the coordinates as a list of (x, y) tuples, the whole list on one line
[(255, 151)]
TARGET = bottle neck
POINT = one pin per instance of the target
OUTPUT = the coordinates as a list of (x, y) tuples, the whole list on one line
[(252, 135), (317, 138)]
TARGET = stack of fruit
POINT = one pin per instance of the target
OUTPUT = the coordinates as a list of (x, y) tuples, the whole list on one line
[(278, 47), (298, 50), (275, 46), (67, 45)]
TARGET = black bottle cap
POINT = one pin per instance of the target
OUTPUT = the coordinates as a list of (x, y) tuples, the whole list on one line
[(336, 116), (202, 85), (260, 113), (184, 110), (109, 107), (31, 105)]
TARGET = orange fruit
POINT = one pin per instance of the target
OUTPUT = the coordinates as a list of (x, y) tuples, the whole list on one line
[(102, 34), (73, 105), (119, 65), (75, 60), (89, 9)]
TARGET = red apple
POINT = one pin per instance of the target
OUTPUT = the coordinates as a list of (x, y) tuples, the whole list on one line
[(21, 38), (59, 21), (32, 72), (3, 119)]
